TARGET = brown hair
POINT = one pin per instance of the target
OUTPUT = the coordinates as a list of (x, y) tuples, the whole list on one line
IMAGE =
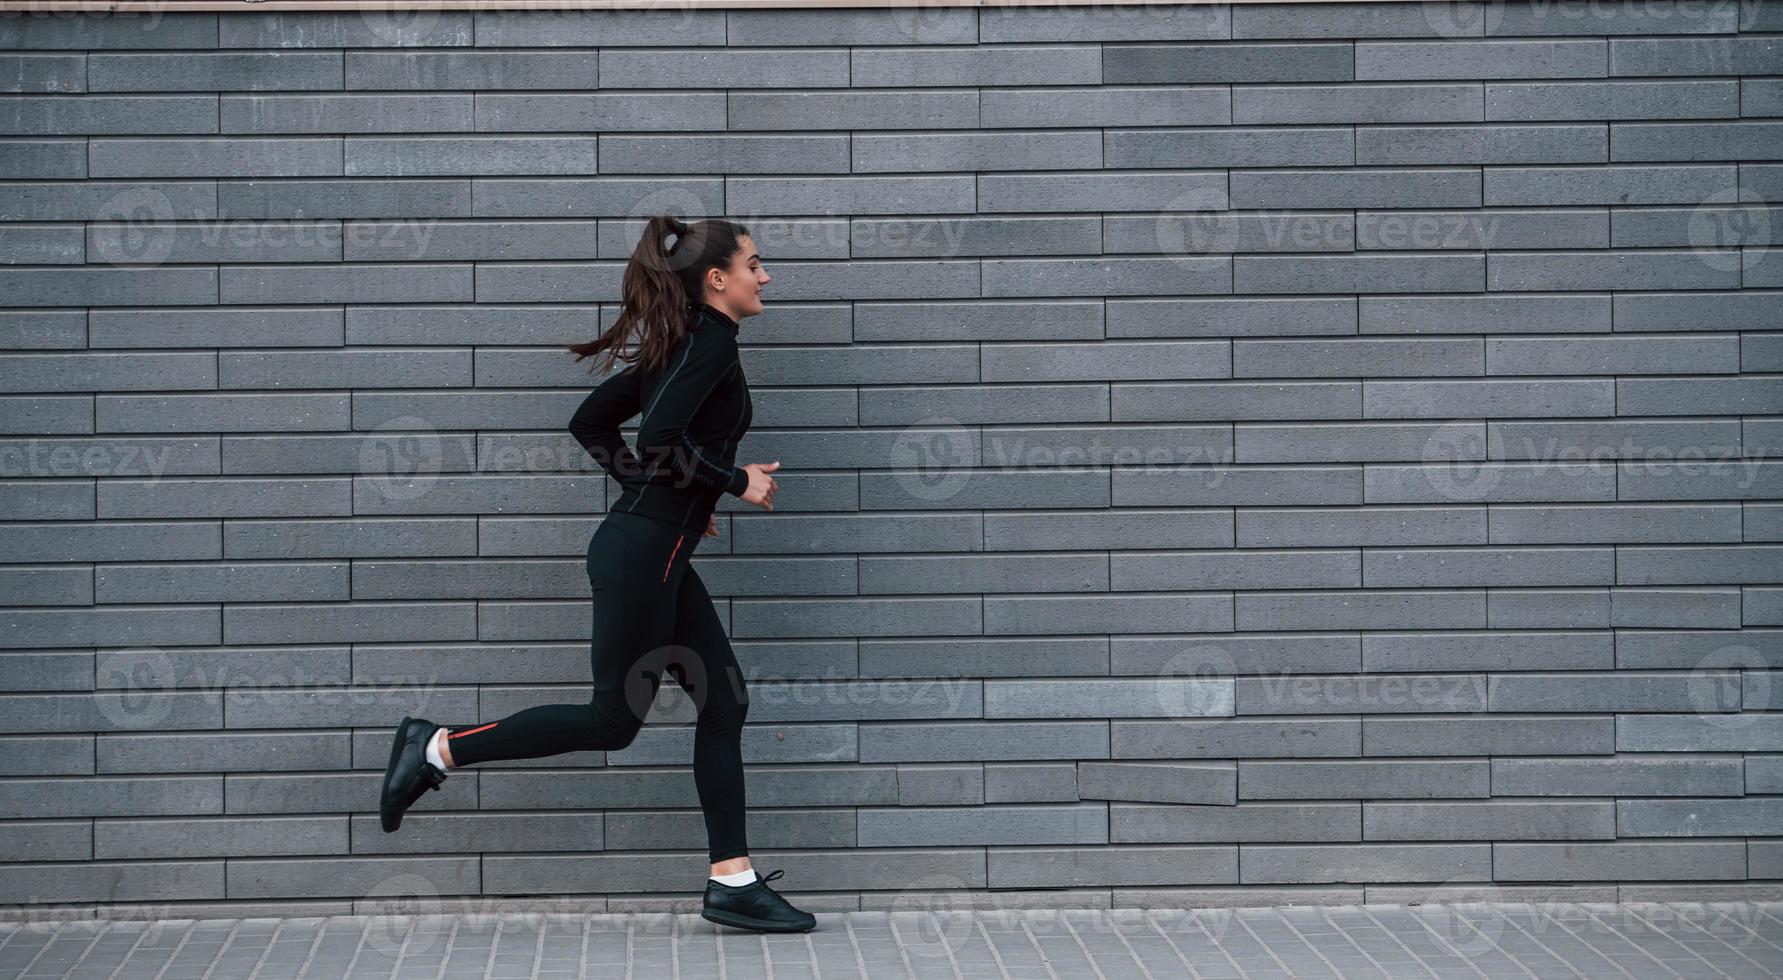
[(661, 284)]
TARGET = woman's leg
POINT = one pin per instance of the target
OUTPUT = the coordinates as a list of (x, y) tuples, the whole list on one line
[(634, 571), (715, 683)]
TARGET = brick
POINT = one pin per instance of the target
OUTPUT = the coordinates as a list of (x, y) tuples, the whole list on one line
[(1225, 654), (1621, 775), (1488, 651), (1290, 863), (1510, 820), (1649, 861), (302, 877), (1498, 143), (983, 741), (1446, 779), (1167, 697), (1697, 818), (160, 881), (941, 785), (1232, 146), (113, 796), (48, 840), (219, 837), (1699, 733), (1243, 823), (1213, 783), (1393, 60), (1081, 823), (1497, 735), (686, 830), (1225, 62), (1235, 738), (1432, 188), (1619, 99), (1373, 103), (1039, 867), (1623, 184)]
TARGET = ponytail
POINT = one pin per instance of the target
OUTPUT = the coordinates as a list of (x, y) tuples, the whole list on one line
[(660, 286)]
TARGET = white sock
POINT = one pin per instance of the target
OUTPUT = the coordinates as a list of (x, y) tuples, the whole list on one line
[(433, 749), (743, 877)]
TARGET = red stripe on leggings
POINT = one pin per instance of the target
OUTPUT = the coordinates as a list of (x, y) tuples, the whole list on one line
[(671, 561), (473, 731)]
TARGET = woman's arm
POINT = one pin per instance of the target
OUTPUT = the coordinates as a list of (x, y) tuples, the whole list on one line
[(596, 424), (703, 359)]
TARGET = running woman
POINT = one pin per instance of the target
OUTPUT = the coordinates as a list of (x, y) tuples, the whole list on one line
[(652, 614)]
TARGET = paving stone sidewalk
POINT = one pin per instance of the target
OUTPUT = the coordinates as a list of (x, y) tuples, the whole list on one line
[(1633, 941)]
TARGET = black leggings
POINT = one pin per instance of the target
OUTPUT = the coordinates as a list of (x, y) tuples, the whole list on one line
[(652, 616)]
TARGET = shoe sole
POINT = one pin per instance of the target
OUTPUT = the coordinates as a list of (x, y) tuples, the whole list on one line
[(388, 819), (750, 922)]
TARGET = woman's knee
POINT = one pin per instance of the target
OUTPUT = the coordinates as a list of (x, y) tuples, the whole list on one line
[(726, 707), (612, 727)]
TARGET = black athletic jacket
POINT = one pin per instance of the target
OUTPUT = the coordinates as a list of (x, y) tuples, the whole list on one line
[(694, 411)]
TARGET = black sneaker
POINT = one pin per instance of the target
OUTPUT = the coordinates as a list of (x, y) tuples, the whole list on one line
[(408, 774), (754, 906)]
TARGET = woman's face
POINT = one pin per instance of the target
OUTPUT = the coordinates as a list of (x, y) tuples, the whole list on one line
[(738, 288)]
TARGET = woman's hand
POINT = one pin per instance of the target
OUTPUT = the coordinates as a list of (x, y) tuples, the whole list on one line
[(760, 491), (712, 526)]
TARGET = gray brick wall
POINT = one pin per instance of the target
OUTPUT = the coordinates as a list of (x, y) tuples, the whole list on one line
[(1300, 452)]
